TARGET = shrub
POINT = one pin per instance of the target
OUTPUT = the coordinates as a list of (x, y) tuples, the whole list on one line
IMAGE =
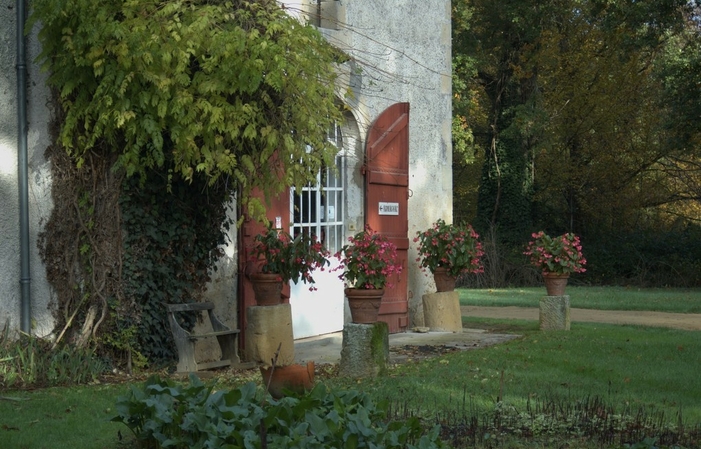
[(293, 258), (561, 255), (368, 260)]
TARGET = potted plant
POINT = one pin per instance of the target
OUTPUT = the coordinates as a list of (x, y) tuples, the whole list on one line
[(448, 250), (279, 258), (367, 261), (557, 258)]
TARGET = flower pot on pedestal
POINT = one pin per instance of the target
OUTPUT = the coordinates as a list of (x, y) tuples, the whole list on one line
[(445, 282), (556, 258), (448, 250), (267, 288), (555, 283), (364, 304)]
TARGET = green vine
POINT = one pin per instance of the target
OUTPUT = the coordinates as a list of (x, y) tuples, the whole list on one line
[(233, 89), (171, 242)]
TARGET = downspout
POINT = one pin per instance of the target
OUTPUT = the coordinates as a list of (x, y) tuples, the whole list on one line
[(25, 280)]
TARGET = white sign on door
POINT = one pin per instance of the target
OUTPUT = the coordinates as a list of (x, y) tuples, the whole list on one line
[(389, 208)]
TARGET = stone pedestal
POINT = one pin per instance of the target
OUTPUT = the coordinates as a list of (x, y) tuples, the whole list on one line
[(268, 328), (442, 312), (365, 350), (555, 313)]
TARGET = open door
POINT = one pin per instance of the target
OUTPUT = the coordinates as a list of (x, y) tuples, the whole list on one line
[(386, 173), (318, 210)]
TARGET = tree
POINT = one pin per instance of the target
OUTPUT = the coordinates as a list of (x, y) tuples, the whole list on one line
[(467, 116), (500, 39), (584, 113), (582, 105)]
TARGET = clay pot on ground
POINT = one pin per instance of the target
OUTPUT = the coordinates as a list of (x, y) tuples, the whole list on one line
[(296, 378)]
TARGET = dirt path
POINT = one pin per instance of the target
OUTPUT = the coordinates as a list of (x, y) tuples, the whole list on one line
[(686, 321)]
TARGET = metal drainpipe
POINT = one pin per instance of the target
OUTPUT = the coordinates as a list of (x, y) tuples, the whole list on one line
[(25, 280)]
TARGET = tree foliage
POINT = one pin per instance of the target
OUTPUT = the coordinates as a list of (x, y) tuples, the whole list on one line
[(235, 89), (586, 113)]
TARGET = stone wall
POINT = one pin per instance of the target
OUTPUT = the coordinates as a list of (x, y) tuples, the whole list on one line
[(401, 52)]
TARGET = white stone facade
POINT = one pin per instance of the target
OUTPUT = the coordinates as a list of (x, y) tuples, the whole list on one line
[(400, 52), (39, 179)]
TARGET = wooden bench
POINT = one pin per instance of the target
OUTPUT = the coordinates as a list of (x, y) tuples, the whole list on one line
[(185, 341)]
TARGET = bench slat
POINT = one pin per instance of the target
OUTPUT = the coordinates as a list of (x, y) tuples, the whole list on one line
[(185, 341), (213, 334), (191, 307), (216, 364)]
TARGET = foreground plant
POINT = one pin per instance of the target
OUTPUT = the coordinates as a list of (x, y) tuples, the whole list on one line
[(164, 414)]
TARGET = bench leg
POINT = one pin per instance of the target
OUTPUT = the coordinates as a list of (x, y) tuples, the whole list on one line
[(229, 348), (185, 347), (186, 358)]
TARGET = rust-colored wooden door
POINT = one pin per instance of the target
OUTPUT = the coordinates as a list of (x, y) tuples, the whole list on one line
[(386, 172), (278, 212)]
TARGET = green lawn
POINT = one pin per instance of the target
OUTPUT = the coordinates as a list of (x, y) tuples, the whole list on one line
[(627, 369), (603, 298), (626, 366), (62, 417)]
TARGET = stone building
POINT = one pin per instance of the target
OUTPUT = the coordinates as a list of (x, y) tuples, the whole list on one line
[(400, 78)]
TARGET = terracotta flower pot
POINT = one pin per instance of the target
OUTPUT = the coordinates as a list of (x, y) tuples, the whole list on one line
[(364, 304), (444, 281), (295, 378), (267, 288), (555, 283)]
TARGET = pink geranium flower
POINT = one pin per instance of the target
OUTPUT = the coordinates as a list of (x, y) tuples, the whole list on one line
[(561, 255)]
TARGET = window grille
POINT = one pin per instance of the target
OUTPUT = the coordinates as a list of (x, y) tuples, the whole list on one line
[(318, 210)]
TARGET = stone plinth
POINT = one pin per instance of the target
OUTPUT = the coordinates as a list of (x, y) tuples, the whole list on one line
[(555, 313), (268, 328), (365, 350), (442, 312)]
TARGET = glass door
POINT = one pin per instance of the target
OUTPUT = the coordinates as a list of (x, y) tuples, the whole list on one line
[(318, 210)]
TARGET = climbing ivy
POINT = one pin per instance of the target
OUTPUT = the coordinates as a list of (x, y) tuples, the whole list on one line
[(171, 243)]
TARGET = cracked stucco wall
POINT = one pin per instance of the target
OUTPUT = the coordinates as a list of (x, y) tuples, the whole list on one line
[(38, 115), (401, 52)]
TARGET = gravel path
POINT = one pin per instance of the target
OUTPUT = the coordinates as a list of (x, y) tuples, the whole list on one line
[(686, 321)]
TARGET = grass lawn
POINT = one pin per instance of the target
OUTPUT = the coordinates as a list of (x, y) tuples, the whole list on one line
[(62, 417), (602, 298), (627, 367), (621, 370)]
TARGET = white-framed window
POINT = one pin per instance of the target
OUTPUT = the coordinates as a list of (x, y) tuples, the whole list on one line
[(319, 209)]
